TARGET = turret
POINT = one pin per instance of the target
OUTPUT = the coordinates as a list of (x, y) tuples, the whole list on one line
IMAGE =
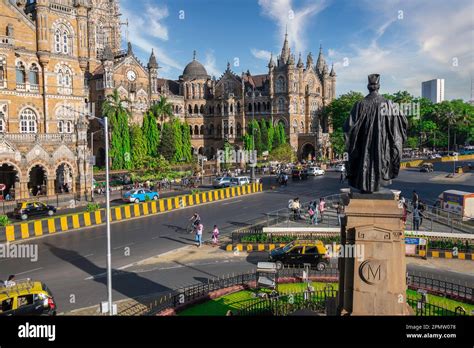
[(285, 51), (309, 61), (153, 73), (321, 61), (271, 63), (332, 73), (300, 64)]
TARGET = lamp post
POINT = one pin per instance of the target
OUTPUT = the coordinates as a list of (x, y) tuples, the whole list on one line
[(252, 165), (107, 211)]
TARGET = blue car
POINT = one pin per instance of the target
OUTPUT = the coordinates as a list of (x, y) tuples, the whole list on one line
[(140, 195)]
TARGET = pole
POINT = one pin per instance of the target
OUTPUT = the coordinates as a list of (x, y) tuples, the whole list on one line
[(107, 216), (252, 173), (92, 169)]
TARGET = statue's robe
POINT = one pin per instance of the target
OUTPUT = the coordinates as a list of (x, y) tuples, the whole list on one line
[(374, 133)]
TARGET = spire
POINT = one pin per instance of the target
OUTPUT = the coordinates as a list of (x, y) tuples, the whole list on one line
[(332, 73), (129, 49), (285, 51), (300, 62), (271, 64), (309, 61), (321, 61), (194, 55), (228, 67), (291, 60), (152, 63)]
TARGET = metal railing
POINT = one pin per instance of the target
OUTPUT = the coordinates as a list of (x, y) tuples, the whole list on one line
[(422, 308), (441, 287)]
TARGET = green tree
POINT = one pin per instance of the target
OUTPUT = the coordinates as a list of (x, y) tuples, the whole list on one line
[(186, 143), (264, 135), (340, 108), (139, 147), (283, 153), (281, 135), (178, 141), (271, 136), (338, 142), (162, 110), (118, 116), (167, 146), (151, 134)]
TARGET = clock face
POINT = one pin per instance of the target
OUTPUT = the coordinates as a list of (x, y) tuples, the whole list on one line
[(131, 75)]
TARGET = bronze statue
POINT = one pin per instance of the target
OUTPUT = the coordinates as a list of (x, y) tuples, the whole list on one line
[(375, 132)]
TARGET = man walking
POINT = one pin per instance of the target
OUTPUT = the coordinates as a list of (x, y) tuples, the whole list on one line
[(199, 230), (416, 218)]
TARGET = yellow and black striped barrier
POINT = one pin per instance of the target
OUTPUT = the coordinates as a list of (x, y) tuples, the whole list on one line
[(37, 228), (419, 162)]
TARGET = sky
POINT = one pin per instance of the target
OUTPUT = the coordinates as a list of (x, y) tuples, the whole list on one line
[(407, 41)]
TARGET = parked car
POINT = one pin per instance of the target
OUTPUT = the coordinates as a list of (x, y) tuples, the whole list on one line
[(299, 174), (26, 209), (27, 298), (340, 167), (240, 181), (225, 181), (315, 171), (140, 195), (300, 252)]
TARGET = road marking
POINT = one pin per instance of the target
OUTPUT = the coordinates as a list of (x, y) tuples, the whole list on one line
[(123, 246), (33, 270), (232, 202)]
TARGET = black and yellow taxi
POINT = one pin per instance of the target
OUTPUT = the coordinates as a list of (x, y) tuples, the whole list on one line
[(26, 298), (301, 252), (26, 209)]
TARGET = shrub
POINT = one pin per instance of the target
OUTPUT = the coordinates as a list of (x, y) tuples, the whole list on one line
[(92, 207), (4, 221)]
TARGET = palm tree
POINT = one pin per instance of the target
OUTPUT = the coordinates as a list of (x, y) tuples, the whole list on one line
[(114, 105), (162, 109)]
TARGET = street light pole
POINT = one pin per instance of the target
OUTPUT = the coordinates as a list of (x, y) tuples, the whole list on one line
[(92, 169), (107, 216), (252, 168)]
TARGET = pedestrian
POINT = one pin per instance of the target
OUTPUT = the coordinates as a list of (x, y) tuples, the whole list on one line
[(10, 281), (340, 213), (416, 218), (343, 176), (415, 198), (199, 230), (322, 208), (405, 212), (296, 209), (215, 235)]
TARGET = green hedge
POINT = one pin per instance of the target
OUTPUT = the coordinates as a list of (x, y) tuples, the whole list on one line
[(267, 238)]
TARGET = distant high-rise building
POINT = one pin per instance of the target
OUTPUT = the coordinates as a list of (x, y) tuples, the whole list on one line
[(433, 90)]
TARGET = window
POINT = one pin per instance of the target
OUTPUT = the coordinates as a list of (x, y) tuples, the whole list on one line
[(3, 118), (61, 40), (281, 105), (280, 85), (311, 250), (2, 125), (65, 127), (20, 73), (297, 250), (28, 123), (33, 75), (3, 71), (64, 80)]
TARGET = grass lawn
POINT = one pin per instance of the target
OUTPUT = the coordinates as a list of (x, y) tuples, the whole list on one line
[(238, 300)]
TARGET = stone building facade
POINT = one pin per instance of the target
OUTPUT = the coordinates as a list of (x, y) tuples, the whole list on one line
[(56, 56)]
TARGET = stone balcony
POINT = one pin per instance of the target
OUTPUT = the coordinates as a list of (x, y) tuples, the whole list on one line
[(28, 138)]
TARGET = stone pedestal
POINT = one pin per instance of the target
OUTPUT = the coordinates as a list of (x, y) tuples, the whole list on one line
[(375, 282)]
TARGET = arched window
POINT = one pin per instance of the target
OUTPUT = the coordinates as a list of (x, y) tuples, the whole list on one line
[(219, 109), (190, 109), (20, 73), (196, 110), (3, 71), (191, 130), (196, 130), (201, 109), (202, 130), (281, 105), (280, 84), (231, 130), (258, 107), (3, 118), (61, 40), (211, 129), (64, 80), (302, 127), (219, 130), (239, 129), (33, 75), (231, 108), (238, 107), (65, 117), (28, 122)]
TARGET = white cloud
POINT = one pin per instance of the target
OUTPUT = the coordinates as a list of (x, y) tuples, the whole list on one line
[(210, 64), (144, 30), (295, 19), (261, 54), (422, 46)]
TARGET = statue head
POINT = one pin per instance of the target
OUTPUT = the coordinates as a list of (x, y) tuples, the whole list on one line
[(374, 83)]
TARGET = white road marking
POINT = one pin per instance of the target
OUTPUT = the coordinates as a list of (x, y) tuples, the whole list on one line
[(123, 246), (33, 270), (232, 202)]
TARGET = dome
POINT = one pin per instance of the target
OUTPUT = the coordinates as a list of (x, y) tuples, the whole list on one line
[(195, 70)]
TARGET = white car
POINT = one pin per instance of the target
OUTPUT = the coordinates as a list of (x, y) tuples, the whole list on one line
[(340, 168), (240, 181), (221, 182), (315, 171)]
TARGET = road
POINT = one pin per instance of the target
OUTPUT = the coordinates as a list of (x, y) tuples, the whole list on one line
[(73, 263)]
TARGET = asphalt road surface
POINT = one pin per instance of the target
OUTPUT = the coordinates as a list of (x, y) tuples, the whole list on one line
[(73, 264)]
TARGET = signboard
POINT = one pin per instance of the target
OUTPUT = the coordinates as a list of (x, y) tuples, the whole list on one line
[(415, 241), (453, 202), (410, 249)]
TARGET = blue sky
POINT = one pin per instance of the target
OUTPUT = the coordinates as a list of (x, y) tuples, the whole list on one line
[(407, 42)]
